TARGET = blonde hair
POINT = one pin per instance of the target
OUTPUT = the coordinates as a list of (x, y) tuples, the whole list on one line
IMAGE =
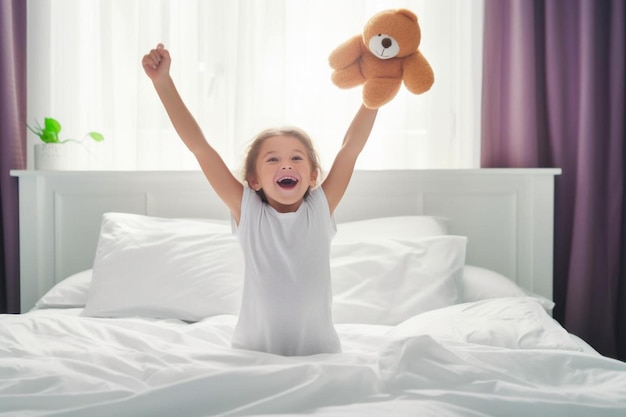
[(252, 154)]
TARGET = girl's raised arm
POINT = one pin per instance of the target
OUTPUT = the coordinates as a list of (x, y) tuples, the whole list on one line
[(338, 177), (157, 65)]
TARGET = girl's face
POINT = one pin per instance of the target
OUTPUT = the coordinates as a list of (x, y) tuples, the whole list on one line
[(284, 172)]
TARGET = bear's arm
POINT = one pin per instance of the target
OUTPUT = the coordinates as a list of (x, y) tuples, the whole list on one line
[(346, 53), (417, 74)]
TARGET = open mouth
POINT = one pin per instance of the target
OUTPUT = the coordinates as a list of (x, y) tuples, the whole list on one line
[(287, 182)]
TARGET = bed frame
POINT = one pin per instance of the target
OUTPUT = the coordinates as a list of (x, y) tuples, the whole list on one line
[(507, 214)]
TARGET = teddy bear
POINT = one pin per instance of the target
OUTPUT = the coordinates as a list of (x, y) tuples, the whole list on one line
[(382, 57)]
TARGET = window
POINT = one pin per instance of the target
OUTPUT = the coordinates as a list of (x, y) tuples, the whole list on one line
[(242, 66)]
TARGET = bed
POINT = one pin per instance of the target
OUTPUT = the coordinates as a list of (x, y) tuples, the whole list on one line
[(442, 283)]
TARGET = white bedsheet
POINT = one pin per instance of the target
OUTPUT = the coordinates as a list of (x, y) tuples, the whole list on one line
[(56, 363)]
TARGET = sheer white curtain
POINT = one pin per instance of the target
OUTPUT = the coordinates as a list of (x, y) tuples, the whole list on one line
[(242, 66)]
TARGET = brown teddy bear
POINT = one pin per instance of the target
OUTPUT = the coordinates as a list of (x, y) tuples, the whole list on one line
[(382, 57)]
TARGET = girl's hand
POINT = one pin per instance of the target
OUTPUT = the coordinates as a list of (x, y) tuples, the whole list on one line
[(157, 62)]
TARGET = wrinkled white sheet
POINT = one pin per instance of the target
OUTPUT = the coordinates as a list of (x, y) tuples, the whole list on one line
[(55, 363)]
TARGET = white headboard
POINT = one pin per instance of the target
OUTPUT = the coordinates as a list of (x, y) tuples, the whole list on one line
[(507, 214)]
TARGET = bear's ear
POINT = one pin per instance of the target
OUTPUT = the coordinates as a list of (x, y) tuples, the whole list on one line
[(407, 13)]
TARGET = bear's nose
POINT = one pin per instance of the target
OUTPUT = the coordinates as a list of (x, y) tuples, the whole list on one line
[(386, 43)]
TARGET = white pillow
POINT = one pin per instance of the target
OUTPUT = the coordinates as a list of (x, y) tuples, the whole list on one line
[(481, 284), (477, 284), (164, 268), (386, 281), (516, 323), (157, 267), (69, 293), (398, 227)]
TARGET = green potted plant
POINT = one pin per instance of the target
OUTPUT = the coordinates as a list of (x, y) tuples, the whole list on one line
[(55, 153)]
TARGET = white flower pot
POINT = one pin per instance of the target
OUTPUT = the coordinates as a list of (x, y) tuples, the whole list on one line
[(60, 156)]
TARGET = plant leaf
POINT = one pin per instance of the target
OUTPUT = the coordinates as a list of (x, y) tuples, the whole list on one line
[(96, 136), (49, 137), (52, 125)]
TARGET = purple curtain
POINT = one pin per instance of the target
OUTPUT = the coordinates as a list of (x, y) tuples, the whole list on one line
[(12, 144), (553, 96)]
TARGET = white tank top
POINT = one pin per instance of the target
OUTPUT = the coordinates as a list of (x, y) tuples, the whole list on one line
[(287, 294)]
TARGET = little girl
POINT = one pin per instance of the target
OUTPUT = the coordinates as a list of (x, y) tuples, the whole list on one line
[(284, 223)]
